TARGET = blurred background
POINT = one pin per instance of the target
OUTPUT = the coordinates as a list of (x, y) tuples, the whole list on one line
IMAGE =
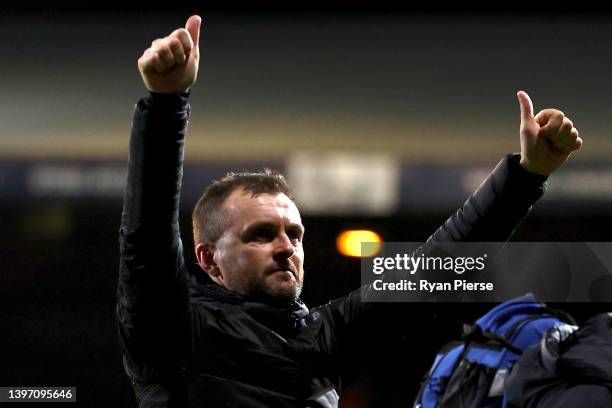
[(383, 117)]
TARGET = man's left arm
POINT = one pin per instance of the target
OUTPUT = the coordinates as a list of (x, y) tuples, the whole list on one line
[(501, 202), (490, 214)]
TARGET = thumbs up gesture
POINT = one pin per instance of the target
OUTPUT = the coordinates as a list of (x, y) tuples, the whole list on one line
[(547, 139), (170, 65)]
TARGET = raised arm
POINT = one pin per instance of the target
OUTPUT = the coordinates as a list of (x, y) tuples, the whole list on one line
[(495, 209), (152, 307), (490, 214)]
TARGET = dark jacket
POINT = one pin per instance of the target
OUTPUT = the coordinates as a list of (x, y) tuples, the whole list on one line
[(187, 343), (568, 369)]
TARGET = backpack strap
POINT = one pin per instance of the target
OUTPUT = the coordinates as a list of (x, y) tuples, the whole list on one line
[(473, 332), (560, 314)]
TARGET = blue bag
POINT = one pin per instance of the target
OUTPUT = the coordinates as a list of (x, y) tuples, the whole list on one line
[(473, 373)]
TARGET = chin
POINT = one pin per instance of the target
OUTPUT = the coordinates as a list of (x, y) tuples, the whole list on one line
[(278, 293), (276, 290), (288, 292)]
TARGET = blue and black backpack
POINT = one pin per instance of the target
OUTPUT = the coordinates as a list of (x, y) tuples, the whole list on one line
[(472, 373)]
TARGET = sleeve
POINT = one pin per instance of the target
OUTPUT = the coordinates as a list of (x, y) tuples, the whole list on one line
[(496, 208), (490, 214), (152, 299)]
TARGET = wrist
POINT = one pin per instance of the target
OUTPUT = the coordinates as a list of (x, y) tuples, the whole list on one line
[(525, 180), (167, 101), (531, 168)]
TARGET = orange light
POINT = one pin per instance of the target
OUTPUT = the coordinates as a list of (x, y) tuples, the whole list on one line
[(349, 243)]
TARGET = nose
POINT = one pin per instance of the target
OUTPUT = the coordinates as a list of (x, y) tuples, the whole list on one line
[(283, 248)]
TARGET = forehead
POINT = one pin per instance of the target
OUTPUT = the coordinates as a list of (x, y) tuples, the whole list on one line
[(241, 208)]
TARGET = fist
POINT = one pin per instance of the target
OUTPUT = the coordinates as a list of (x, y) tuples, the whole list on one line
[(547, 139), (170, 65)]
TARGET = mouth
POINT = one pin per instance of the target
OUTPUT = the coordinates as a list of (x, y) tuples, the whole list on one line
[(287, 269)]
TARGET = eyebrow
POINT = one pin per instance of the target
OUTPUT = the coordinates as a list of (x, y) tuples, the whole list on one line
[(271, 225), (298, 227)]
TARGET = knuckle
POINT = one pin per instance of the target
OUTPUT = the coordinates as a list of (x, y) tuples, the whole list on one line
[(155, 48), (161, 43), (145, 59), (156, 59), (175, 45), (185, 38), (178, 34), (156, 63), (164, 50)]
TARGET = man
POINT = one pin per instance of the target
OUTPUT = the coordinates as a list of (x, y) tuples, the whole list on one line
[(234, 333)]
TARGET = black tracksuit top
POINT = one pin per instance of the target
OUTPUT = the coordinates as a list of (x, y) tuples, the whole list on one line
[(188, 343)]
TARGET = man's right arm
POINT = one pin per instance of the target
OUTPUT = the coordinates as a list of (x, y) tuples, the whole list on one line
[(152, 291)]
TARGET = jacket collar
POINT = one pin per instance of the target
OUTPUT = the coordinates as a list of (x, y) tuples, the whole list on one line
[(277, 315)]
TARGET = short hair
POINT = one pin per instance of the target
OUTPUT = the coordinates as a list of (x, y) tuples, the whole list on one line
[(206, 217)]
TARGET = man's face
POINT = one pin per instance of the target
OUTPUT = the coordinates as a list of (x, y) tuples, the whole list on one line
[(260, 252)]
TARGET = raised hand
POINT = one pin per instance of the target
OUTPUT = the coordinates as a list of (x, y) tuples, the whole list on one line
[(170, 65), (547, 139)]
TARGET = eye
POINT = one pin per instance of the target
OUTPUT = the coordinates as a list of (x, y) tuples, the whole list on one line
[(264, 234), (295, 235)]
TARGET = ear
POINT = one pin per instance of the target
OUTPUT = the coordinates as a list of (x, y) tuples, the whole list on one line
[(205, 256)]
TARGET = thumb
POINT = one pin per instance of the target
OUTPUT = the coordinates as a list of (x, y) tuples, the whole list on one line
[(193, 27), (526, 106)]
